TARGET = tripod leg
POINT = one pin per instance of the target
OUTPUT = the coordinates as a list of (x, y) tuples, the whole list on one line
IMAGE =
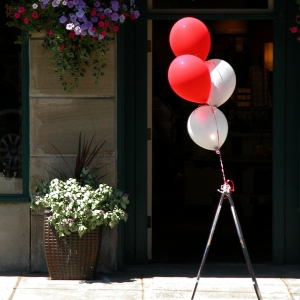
[(244, 247), (208, 242)]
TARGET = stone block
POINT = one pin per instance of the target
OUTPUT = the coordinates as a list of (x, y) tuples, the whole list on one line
[(43, 81), (59, 122), (44, 167), (14, 237)]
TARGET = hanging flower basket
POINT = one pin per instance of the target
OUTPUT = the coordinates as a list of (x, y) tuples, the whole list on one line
[(77, 32), (296, 29)]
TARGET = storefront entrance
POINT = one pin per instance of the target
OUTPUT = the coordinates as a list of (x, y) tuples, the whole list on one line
[(186, 177), (171, 218)]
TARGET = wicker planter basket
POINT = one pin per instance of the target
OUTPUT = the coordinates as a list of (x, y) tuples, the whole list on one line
[(71, 257)]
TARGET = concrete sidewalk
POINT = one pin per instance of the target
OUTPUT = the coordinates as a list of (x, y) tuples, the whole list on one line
[(160, 281)]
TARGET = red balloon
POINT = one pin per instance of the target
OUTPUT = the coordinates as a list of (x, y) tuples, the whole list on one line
[(190, 36), (189, 78)]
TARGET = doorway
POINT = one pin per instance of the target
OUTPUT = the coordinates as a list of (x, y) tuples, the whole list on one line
[(185, 177)]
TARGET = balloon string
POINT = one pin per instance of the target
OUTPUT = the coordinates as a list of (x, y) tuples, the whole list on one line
[(213, 110), (222, 167)]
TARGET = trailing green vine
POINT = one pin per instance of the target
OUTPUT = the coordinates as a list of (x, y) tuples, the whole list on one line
[(77, 32)]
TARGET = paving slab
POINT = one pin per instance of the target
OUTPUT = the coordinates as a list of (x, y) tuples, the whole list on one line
[(160, 282)]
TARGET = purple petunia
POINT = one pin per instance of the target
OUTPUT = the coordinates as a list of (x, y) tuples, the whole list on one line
[(73, 17), (107, 12), (70, 4), (80, 13), (136, 14), (114, 16), (94, 19), (55, 3), (122, 18), (86, 25), (83, 19), (97, 4), (63, 19), (115, 5)]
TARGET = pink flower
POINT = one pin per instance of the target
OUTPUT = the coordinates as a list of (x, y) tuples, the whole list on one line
[(93, 12), (72, 35), (62, 47), (35, 15), (294, 29), (21, 9), (26, 20), (50, 33), (102, 16), (17, 15), (115, 28), (298, 39)]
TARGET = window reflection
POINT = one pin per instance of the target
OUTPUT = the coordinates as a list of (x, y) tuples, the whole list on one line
[(10, 112)]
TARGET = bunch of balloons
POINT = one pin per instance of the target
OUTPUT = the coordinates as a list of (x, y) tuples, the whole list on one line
[(209, 83)]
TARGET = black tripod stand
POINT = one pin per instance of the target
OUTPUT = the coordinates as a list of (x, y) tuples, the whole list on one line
[(241, 237)]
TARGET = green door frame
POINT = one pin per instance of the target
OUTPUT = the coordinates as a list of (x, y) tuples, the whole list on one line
[(132, 126)]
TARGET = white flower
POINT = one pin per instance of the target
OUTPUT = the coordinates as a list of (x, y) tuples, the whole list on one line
[(64, 3), (70, 26), (34, 6), (77, 31)]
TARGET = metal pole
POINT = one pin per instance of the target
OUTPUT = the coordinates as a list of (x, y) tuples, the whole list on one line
[(209, 242), (243, 244)]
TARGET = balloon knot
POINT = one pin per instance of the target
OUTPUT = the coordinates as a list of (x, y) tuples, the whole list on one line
[(227, 187)]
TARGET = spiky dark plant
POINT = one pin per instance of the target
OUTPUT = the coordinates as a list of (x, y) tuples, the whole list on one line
[(86, 154)]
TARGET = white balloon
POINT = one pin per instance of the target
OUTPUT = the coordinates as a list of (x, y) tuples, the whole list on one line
[(223, 81), (208, 127)]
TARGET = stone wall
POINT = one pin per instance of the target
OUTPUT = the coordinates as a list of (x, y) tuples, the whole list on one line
[(57, 118), (14, 237)]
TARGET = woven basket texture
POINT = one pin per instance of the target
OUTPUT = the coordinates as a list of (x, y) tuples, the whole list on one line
[(71, 257)]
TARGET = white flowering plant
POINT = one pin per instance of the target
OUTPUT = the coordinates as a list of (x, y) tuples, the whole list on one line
[(79, 203), (79, 208), (76, 31)]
